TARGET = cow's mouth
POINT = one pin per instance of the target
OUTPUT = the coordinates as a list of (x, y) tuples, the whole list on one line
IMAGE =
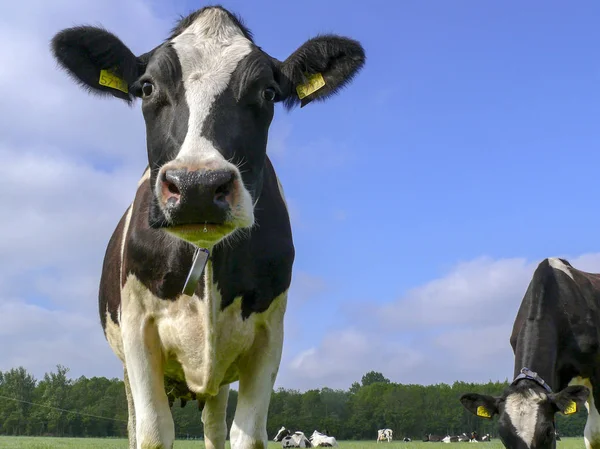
[(201, 233)]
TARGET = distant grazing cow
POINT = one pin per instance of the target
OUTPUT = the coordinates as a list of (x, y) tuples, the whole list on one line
[(320, 439), (184, 329), (406, 440), (556, 344), (384, 434)]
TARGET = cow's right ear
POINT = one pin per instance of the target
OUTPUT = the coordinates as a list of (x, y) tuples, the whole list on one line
[(97, 60), (481, 405)]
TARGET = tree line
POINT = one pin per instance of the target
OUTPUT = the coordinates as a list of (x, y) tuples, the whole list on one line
[(96, 407)]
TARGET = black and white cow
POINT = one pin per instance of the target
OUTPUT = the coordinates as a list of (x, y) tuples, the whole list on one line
[(291, 439), (406, 439), (556, 343), (281, 434), (323, 440), (208, 95), (385, 435)]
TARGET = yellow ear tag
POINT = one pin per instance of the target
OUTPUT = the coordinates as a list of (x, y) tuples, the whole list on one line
[(109, 79), (315, 82), (483, 412), (571, 408)]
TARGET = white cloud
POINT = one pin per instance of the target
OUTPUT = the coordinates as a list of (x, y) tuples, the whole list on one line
[(344, 356), (456, 327), (40, 339)]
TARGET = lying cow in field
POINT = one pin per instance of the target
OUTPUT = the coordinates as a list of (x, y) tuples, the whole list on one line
[(320, 439), (450, 439), (184, 326), (291, 439), (433, 438), (556, 343), (281, 434), (384, 434)]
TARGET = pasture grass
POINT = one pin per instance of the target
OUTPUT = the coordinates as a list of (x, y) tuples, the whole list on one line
[(108, 443)]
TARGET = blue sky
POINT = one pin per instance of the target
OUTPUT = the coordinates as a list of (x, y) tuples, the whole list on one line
[(422, 196)]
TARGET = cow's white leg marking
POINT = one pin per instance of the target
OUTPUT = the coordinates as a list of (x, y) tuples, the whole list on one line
[(144, 362), (591, 433), (213, 418), (130, 410), (260, 364)]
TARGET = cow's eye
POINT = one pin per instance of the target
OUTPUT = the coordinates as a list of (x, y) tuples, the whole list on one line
[(147, 89), (269, 94)]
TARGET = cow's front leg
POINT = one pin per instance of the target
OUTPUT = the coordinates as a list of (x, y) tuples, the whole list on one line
[(154, 427), (130, 410), (214, 419), (591, 432), (258, 371)]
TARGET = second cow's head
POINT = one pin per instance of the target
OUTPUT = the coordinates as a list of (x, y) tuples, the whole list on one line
[(208, 94)]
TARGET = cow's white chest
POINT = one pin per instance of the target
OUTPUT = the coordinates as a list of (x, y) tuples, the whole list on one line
[(193, 333)]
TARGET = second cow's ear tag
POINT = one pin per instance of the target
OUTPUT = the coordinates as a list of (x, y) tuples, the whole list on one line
[(483, 412), (571, 408), (198, 264), (314, 83)]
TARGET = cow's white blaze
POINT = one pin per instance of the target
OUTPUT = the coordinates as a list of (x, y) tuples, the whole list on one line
[(591, 433), (522, 409), (276, 437), (558, 264), (209, 50)]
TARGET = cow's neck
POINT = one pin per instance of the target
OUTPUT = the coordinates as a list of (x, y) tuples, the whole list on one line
[(537, 350)]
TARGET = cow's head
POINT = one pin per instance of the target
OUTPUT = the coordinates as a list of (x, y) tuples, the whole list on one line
[(281, 434), (526, 412), (208, 95)]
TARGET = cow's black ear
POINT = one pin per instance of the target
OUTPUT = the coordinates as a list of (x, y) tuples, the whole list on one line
[(571, 399), (320, 68), (97, 60), (481, 405)]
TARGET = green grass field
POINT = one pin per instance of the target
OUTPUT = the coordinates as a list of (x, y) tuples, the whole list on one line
[(91, 443)]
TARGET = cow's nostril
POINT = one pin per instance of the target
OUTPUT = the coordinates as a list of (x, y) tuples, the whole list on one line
[(172, 188), (171, 193), (223, 192)]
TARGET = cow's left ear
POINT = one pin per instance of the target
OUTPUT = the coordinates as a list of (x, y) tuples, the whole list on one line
[(98, 60), (570, 400), (481, 405), (320, 68)]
